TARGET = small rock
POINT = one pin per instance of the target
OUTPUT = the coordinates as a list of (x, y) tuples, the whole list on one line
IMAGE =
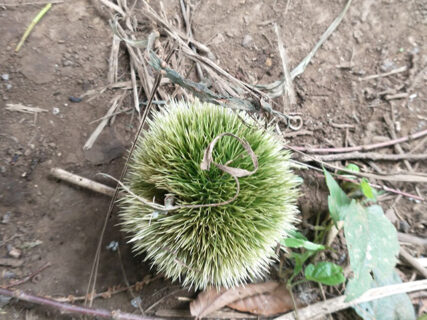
[(55, 111), (6, 274), (74, 99), (2, 169), (8, 86), (5, 76), (6, 218), (113, 245), (398, 126), (247, 41), (387, 65), (4, 300), (67, 63), (14, 252), (404, 226), (268, 62), (136, 302)]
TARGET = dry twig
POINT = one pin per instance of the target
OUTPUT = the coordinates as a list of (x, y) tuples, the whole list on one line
[(371, 156), (21, 108), (317, 310), (413, 262), (368, 147), (81, 181), (381, 75), (69, 308)]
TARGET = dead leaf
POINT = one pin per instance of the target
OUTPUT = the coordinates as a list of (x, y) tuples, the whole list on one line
[(213, 299), (266, 304)]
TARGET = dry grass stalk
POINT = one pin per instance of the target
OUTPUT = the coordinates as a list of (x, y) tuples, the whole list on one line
[(22, 108), (115, 102), (317, 310), (288, 85), (113, 64)]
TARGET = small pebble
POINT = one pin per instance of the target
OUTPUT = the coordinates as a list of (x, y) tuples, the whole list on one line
[(6, 218), (67, 63), (136, 302), (5, 76), (14, 252), (55, 111), (74, 99), (247, 41), (2, 169), (113, 245), (404, 226), (6, 274), (8, 86)]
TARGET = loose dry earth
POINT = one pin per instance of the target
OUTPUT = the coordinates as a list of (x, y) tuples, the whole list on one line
[(67, 54)]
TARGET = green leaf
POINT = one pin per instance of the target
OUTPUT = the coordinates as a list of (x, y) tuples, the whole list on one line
[(297, 235), (300, 259), (394, 307), (353, 167), (366, 189), (337, 200), (372, 243), (325, 272), (300, 243)]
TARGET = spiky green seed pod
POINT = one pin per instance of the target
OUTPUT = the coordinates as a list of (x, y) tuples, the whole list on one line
[(225, 245)]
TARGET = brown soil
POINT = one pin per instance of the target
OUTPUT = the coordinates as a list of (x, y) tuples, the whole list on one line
[(67, 54)]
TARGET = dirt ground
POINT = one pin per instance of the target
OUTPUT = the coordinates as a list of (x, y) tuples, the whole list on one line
[(67, 54)]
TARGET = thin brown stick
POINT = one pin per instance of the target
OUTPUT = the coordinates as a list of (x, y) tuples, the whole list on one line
[(319, 309), (371, 156), (69, 308), (137, 286), (364, 147), (27, 278), (382, 75), (81, 181), (405, 255), (340, 177)]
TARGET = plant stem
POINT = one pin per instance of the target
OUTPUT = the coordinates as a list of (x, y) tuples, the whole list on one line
[(289, 287), (32, 24)]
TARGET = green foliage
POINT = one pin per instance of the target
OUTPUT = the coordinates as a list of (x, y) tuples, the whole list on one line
[(337, 198), (224, 245), (397, 306), (325, 272), (371, 241), (298, 240), (366, 189)]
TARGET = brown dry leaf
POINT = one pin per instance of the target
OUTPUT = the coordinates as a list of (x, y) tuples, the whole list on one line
[(213, 299), (266, 304)]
